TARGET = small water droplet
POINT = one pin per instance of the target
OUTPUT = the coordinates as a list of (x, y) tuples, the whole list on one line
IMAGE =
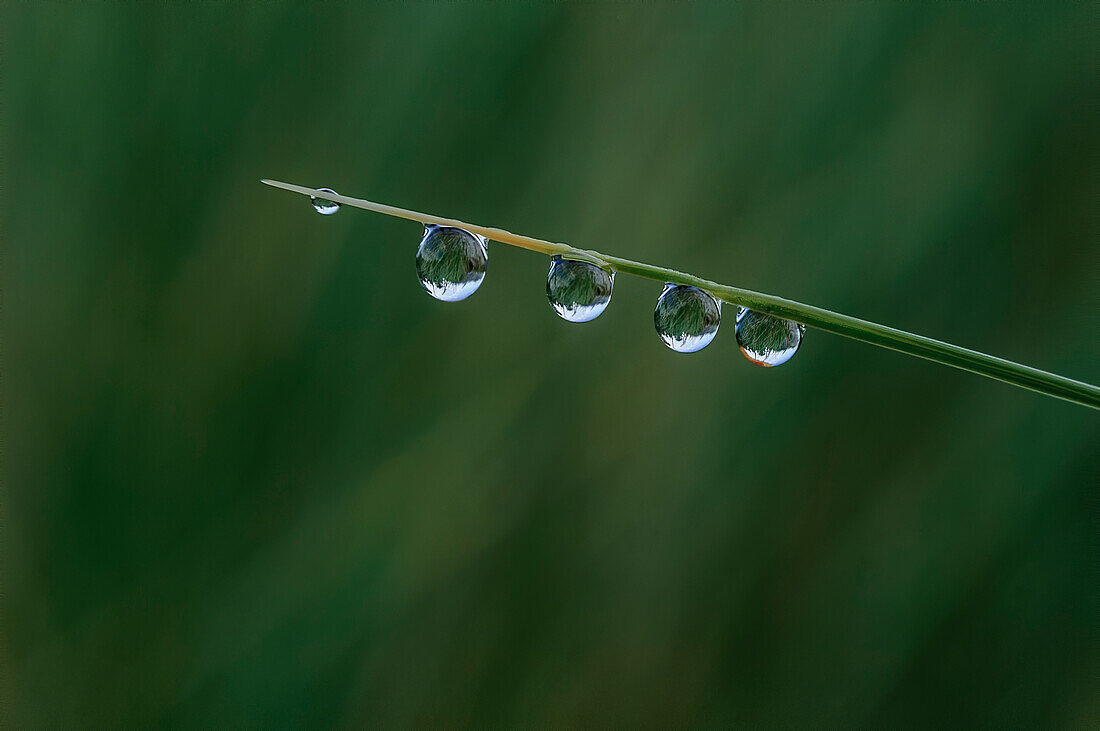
[(578, 290), (323, 205), (767, 340), (451, 262), (686, 318)]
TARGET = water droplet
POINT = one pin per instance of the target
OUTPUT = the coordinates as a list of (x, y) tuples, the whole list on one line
[(323, 205), (767, 340), (686, 318), (451, 262), (577, 290)]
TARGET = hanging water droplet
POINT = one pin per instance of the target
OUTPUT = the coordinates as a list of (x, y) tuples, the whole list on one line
[(686, 318), (323, 205), (578, 290), (451, 262), (767, 340)]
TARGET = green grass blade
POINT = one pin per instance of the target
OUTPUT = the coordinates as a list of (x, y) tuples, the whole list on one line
[(938, 351)]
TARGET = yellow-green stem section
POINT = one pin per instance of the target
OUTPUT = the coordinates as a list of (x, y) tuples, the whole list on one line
[(869, 332)]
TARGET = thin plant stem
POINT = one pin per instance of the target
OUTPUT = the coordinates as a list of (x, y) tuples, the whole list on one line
[(851, 327)]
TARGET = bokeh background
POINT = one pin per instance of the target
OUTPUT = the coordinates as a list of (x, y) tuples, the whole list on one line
[(252, 474)]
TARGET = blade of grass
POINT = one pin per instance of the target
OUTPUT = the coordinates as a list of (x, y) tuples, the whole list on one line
[(938, 351)]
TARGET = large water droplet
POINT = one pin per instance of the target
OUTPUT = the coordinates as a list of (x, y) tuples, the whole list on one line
[(451, 262), (577, 290), (323, 205), (767, 340), (686, 318)]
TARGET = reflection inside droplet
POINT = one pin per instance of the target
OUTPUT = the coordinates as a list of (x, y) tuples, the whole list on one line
[(578, 291), (324, 206), (767, 340), (686, 318), (451, 262)]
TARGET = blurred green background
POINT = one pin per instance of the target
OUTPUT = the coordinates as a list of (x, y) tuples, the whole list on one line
[(252, 474)]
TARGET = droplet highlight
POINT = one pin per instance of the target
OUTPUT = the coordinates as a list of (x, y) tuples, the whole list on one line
[(451, 262), (767, 340), (324, 206), (578, 291), (686, 318)]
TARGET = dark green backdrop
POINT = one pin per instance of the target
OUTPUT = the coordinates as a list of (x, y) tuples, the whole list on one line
[(252, 474)]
